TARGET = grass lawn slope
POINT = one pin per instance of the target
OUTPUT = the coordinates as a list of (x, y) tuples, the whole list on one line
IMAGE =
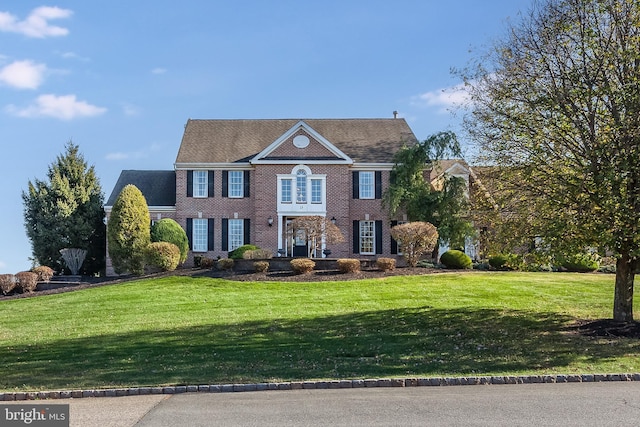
[(199, 330)]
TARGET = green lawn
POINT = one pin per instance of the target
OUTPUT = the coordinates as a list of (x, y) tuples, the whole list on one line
[(184, 330)]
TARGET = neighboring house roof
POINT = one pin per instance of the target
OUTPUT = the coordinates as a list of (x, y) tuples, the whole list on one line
[(158, 187), (236, 141)]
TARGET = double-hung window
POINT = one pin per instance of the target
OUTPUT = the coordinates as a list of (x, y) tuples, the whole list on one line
[(200, 184), (316, 191), (366, 185), (236, 184), (236, 233), (286, 191), (367, 237), (200, 233)]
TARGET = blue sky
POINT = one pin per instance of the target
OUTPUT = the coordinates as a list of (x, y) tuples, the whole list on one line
[(121, 78)]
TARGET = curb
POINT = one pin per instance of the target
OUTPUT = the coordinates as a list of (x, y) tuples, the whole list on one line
[(318, 385)]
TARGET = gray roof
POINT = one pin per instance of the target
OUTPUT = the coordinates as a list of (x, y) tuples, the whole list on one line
[(229, 141), (158, 187)]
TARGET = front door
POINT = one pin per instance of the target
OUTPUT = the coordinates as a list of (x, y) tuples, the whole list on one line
[(300, 248)]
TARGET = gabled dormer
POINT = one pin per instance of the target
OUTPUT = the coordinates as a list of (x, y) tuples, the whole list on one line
[(301, 144)]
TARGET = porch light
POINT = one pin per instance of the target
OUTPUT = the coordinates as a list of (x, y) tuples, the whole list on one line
[(333, 220), (270, 221)]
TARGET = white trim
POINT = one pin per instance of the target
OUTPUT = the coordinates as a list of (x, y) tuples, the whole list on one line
[(342, 157), (372, 166), (212, 166)]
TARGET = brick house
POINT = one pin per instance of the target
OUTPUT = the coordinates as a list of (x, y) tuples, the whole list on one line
[(242, 181)]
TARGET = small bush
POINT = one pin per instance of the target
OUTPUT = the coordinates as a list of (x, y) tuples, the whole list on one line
[(44, 273), (258, 254), (207, 263), (163, 255), (454, 259), (386, 264), (27, 281), (506, 262), (238, 252), (348, 265), (7, 283), (168, 230), (581, 263), (261, 266), (225, 264), (302, 265)]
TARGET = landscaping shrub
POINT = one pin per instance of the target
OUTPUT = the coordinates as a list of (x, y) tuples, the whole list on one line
[(261, 266), (302, 265), (7, 283), (506, 261), (225, 264), (238, 252), (580, 263), (386, 264), (44, 273), (27, 281), (163, 255), (168, 230), (348, 265), (454, 259), (415, 239), (258, 254), (206, 263)]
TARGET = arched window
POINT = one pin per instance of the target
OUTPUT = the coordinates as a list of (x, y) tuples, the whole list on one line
[(301, 186)]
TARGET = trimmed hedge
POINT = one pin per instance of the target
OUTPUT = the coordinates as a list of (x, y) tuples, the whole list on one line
[(225, 264), (163, 255), (348, 265), (457, 260), (581, 263), (7, 283), (27, 281), (44, 273), (238, 253), (261, 266), (386, 264), (302, 265)]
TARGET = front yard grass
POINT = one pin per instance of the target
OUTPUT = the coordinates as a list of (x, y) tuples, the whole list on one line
[(197, 330)]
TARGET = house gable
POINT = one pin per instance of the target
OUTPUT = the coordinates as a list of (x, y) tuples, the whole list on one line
[(301, 143)]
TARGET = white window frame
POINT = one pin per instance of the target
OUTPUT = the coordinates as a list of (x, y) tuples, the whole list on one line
[(316, 190), (235, 233), (199, 234), (200, 184), (286, 190), (367, 237), (366, 185), (301, 186), (236, 184)]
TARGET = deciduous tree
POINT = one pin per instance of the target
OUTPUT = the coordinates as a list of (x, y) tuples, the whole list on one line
[(556, 104), (415, 239), (316, 229)]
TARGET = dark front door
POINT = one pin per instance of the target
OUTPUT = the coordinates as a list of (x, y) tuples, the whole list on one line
[(300, 248)]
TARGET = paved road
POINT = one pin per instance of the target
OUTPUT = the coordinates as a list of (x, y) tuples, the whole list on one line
[(571, 404)]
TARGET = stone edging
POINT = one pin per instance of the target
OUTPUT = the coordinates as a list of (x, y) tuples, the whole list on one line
[(316, 385)]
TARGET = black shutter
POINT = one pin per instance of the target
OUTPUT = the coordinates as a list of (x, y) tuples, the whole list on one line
[(210, 184), (247, 231), (189, 183), (356, 236), (394, 243), (225, 183), (247, 185), (210, 224), (190, 232), (378, 175), (378, 237), (356, 185), (225, 234)]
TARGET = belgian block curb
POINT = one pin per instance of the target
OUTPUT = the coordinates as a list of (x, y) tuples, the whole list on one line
[(318, 385)]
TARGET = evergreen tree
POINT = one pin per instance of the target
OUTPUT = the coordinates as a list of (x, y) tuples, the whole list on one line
[(128, 231), (168, 230), (65, 211)]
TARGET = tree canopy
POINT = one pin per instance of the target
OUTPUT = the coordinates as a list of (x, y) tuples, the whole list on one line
[(410, 193), (65, 211), (556, 105)]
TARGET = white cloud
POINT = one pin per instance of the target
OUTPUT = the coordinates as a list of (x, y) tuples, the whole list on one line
[(73, 55), (159, 70), (130, 110), (454, 96), (133, 155), (36, 24), (64, 107), (23, 74)]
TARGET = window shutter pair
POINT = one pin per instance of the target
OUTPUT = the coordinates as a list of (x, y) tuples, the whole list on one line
[(355, 184), (225, 184), (190, 183), (225, 233), (210, 225), (356, 236)]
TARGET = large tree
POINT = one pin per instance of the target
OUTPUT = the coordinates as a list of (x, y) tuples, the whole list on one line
[(65, 211), (129, 231), (556, 104), (411, 193)]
